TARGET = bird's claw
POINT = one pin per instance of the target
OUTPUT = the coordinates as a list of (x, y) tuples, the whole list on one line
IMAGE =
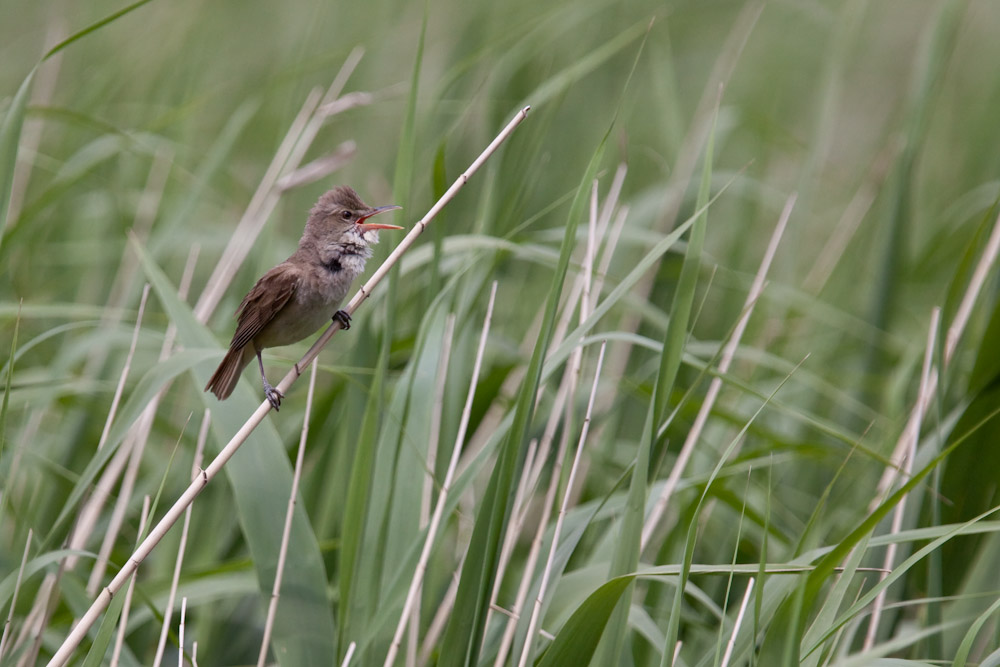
[(344, 319), (273, 396)]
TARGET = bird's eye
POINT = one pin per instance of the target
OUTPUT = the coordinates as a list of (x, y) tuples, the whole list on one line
[(347, 215)]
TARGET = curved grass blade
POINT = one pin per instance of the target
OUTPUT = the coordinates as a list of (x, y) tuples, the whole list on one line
[(10, 136)]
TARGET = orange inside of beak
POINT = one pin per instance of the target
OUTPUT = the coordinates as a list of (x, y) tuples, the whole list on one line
[(375, 225)]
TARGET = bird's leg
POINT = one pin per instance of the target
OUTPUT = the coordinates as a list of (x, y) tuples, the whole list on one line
[(273, 395), (344, 319)]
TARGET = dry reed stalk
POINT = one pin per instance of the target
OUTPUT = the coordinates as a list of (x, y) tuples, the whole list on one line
[(850, 220), (279, 571), (911, 434), (736, 624), (434, 437), (168, 610), (902, 456), (38, 617), (519, 516), (180, 633), (127, 605), (728, 353), (125, 370), (42, 93), (17, 588), (954, 334), (435, 522), (350, 654), (128, 268), (536, 610), (561, 412), (135, 445), (440, 620)]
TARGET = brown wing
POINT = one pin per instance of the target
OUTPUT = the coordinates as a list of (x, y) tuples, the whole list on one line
[(263, 302)]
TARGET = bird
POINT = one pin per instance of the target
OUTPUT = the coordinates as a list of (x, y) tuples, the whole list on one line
[(296, 297)]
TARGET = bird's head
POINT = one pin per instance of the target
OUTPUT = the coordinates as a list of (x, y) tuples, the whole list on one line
[(342, 214)]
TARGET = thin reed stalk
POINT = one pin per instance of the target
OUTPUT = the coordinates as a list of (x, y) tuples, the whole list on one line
[(17, 589), (127, 606), (272, 607), (728, 353), (168, 610), (418, 576), (536, 610)]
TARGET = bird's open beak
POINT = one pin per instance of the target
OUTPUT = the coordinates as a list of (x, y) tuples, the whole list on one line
[(374, 225)]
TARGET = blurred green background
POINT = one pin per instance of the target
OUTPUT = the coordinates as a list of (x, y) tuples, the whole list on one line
[(881, 117)]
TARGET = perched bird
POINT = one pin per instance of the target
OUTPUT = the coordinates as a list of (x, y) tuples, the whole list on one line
[(296, 297)]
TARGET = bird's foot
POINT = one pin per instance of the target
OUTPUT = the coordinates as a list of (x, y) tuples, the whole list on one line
[(273, 396), (344, 319)]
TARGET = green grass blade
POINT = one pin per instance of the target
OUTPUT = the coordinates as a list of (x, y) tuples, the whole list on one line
[(95, 656), (94, 27), (10, 136), (357, 591), (965, 648), (626, 555), (577, 641), (9, 369)]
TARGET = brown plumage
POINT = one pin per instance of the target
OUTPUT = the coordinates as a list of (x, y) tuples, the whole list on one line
[(295, 298)]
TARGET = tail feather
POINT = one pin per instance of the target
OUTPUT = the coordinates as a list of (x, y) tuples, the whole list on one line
[(227, 375)]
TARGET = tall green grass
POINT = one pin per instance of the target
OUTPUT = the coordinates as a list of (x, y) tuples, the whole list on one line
[(132, 139)]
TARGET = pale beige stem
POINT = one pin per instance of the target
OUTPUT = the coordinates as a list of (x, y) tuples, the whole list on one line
[(168, 610), (440, 620), (519, 514), (125, 370), (983, 269), (536, 610), (17, 588), (495, 413), (728, 353), (127, 605), (38, 617), (272, 607), (31, 133), (350, 654), (902, 456), (320, 167), (128, 268), (688, 157), (736, 624), (434, 437), (850, 220), (911, 434), (135, 445), (418, 576), (180, 633)]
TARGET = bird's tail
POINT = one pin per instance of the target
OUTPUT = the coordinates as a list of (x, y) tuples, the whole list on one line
[(228, 373)]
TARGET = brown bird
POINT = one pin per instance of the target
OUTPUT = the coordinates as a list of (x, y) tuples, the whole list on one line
[(296, 297)]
